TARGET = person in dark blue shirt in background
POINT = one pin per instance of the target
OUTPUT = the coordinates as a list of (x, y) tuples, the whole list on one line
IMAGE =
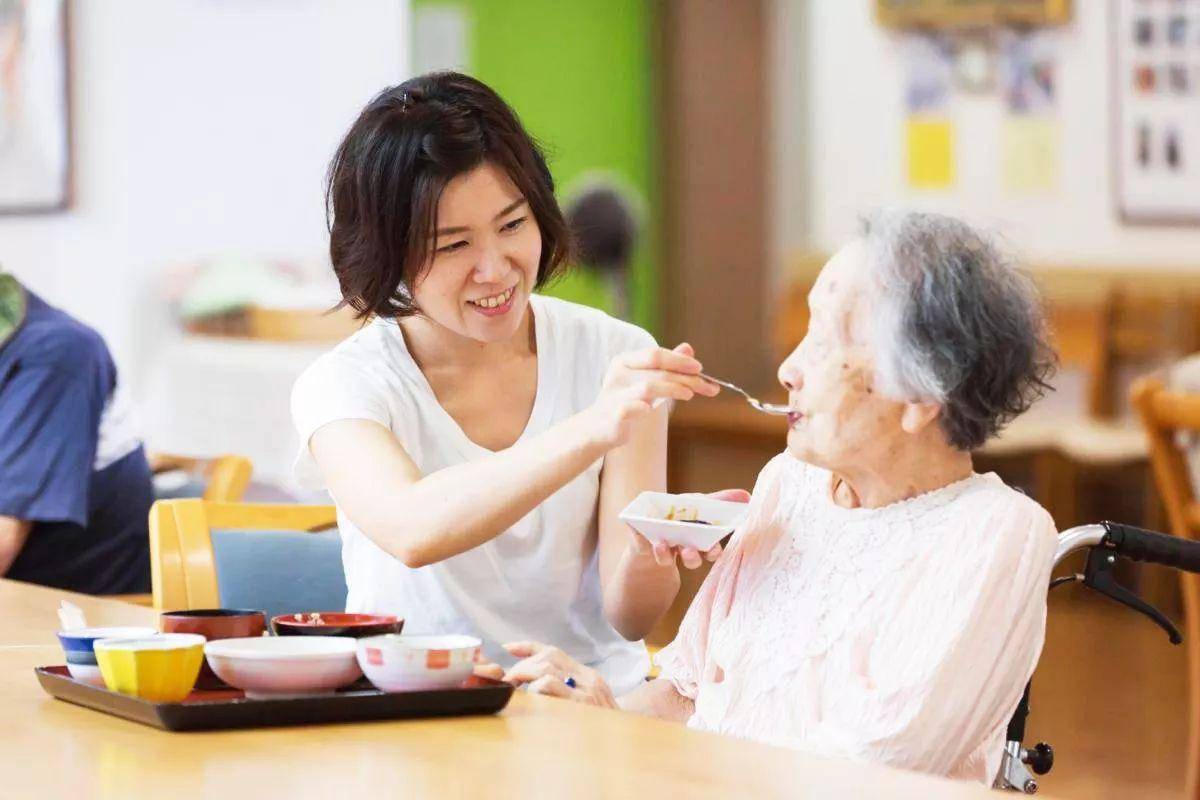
[(75, 487)]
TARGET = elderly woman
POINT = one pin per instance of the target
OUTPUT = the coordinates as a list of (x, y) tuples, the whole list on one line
[(883, 601)]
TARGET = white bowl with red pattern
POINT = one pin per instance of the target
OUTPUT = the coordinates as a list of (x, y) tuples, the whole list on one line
[(413, 663)]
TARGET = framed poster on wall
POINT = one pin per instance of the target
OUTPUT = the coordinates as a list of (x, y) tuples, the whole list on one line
[(34, 106), (1155, 91)]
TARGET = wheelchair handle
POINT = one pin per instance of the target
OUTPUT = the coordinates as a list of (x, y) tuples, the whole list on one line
[(1132, 542), (1155, 548)]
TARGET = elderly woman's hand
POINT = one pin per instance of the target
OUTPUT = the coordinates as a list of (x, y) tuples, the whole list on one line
[(546, 670), (664, 554)]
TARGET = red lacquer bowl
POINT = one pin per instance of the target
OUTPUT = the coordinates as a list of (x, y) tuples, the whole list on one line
[(335, 623)]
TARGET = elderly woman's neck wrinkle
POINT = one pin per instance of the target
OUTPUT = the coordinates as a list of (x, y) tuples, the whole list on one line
[(906, 473)]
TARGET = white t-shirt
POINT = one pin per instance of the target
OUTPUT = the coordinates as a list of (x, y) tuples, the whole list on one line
[(539, 579)]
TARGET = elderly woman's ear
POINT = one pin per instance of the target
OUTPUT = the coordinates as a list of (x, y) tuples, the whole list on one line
[(916, 417)]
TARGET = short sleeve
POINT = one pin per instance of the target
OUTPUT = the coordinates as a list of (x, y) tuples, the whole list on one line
[(332, 389), (626, 337), (623, 337), (50, 407)]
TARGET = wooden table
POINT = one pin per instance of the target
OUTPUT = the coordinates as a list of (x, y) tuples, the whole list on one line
[(538, 747)]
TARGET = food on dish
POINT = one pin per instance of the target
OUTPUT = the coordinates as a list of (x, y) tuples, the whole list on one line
[(683, 520), (685, 514)]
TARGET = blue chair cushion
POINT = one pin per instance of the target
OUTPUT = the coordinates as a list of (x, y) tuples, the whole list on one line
[(279, 572)]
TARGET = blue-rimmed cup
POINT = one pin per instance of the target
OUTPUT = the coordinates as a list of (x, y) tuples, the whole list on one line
[(79, 648)]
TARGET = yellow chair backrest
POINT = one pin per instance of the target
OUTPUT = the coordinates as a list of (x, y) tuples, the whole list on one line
[(182, 570), (228, 477)]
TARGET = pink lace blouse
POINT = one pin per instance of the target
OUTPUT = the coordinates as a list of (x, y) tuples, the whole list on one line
[(901, 635)]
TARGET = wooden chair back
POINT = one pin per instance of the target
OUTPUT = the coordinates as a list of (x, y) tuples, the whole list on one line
[(226, 477), (1164, 414), (182, 566), (1145, 329)]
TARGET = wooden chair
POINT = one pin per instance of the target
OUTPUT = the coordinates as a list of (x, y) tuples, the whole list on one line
[(1164, 413), (226, 476), (1149, 328), (226, 479), (183, 560)]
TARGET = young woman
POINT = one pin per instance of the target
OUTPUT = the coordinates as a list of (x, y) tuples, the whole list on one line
[(480, 439)]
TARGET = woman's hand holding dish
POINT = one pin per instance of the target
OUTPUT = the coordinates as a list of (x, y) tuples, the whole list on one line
[(665, 555)]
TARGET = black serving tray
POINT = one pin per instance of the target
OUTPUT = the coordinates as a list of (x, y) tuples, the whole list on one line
[(229, 708)]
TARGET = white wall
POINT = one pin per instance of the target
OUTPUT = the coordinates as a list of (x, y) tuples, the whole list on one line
[(789, 179), (847, 76), (200, 127)]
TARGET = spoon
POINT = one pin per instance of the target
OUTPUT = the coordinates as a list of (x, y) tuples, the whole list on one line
[(755, 403), (70, 616)]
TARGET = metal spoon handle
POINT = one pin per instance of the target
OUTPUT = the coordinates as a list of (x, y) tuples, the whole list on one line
[(755, 403), (727, 385)]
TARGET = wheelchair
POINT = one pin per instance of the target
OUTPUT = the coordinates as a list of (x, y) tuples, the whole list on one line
[(1104, 542)]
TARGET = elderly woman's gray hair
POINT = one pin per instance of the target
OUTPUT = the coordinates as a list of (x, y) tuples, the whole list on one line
[(954, 322)]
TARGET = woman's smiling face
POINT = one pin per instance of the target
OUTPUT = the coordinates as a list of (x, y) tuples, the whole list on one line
[(483, 262)]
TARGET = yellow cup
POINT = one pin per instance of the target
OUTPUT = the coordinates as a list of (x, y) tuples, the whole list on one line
[(160, 668)]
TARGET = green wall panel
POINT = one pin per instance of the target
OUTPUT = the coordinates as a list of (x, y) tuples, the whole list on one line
[(578, 72)]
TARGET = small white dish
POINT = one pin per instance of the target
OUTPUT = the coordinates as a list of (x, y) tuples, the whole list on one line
[(403, 663), (280, 666), (647, 515)]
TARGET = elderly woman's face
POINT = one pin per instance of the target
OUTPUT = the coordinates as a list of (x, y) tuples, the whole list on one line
[(839, 421)]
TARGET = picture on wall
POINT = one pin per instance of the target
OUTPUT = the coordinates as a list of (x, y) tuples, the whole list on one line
[(34, 106), (1156, 111)]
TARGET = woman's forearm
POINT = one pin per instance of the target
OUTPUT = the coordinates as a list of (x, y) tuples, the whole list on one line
[(422, 519), (637, 589), (639, 592), (460, 507)]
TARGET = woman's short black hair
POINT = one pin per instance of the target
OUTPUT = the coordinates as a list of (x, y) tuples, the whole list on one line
[(388, 174)]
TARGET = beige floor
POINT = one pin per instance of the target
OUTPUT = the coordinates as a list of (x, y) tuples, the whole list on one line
[(1110, 696)]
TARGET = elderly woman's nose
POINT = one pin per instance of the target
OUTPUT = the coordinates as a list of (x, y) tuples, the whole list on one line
[(789, 372)]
